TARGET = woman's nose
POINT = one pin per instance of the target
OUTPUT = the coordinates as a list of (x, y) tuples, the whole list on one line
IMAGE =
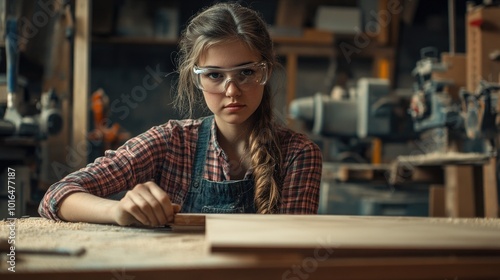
[(232, 89)]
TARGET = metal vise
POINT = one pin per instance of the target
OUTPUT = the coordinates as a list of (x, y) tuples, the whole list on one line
[(368, 113), (431, 106)]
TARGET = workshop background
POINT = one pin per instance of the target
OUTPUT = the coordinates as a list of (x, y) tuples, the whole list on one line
[(401, 95)]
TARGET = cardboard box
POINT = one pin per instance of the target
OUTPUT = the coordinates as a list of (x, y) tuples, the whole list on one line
[(344, 20)]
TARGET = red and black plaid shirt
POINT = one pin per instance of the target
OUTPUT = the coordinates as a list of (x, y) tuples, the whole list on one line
[(165, 154)]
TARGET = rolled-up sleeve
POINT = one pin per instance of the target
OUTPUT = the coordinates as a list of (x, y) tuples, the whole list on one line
[(302, 178), (135, 162)]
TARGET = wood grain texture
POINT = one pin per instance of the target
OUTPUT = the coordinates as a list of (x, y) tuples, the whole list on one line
[(81, 81), (348, 236), (115, 252), (346, 269), (189, 220), (490, 189), (459, 186), (437, 201)]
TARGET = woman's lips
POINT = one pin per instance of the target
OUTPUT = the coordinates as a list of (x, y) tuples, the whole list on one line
[(233, 107)]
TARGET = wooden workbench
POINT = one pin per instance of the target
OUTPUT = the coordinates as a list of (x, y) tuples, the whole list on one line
[(264, 247), (461, 185)]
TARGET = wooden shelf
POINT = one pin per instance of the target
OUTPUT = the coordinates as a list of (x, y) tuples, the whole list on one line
[(135, 40), (310, 37)]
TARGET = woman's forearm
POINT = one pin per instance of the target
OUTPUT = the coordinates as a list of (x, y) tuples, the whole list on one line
[(85, 207)]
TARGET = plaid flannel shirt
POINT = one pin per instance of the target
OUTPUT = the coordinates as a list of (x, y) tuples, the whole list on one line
[(164, 154)]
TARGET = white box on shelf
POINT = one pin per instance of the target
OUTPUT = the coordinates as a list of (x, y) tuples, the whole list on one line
[(346, 20)]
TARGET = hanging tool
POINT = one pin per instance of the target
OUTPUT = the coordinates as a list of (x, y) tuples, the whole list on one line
[(111, 135), (13, 123), (480, 112)]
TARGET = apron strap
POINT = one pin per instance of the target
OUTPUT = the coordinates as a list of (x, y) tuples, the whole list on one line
[(201, 151)]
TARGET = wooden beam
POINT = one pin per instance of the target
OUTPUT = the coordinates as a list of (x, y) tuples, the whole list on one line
[(58, 78), (383, 37), (81, 78), (436, 201), (291, 77), (291, 13), (460, 195), (490, 189), (189, 220)]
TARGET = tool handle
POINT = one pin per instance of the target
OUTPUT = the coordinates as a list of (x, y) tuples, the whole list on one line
[(12, 53)]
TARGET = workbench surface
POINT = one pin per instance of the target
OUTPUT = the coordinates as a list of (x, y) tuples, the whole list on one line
[(114, 252)]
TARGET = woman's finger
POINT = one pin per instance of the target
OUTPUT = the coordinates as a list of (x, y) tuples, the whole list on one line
[(164, 200), (138, 207), (157, 215)]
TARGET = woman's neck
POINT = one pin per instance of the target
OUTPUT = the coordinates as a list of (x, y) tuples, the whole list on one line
[(233, 137), (234, 134), (234, 140)]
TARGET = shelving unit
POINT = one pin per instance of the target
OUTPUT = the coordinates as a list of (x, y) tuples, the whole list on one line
[(135, 41), (310, 43)]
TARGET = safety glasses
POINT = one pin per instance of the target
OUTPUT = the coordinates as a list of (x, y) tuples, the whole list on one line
[(216, 80)]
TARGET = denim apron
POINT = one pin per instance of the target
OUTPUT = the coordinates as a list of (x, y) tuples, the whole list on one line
[(206, 196)]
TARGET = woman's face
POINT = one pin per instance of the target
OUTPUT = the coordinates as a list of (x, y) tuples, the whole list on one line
[(237, 103)]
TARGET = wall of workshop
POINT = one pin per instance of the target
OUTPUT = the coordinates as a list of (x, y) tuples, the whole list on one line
[(119, 68), (426, 26)]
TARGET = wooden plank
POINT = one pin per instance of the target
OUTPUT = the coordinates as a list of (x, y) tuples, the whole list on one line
[(309, 37), (460, 197), (427, 174), (306, 268), (383, 36), (189, 220), (291, 77), (407, 173), (377, 150), (81, 82), (426, 168), (135, 41), (394, 30), (352, 174), (436, 201), (362, 172), (58, 78), (351, 236), (291, 13), (456, 72), (151, 253), (490, 189), (435, 159), (309, 51)]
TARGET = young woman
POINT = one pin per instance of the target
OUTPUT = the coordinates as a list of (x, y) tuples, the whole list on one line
[(238, 160)]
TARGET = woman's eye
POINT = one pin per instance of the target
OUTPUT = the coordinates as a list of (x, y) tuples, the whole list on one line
[(247, 72), (214, 75)]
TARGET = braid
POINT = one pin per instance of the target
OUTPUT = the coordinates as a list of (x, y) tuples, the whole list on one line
[(217, 24), (266, 160)]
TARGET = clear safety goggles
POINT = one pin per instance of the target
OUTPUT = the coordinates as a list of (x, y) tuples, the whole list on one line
[(216, 80)]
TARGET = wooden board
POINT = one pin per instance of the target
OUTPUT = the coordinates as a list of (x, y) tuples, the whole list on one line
[(491, 196), (437, 201), (349, 236), (426, 168), (438, 159), (363, 172), (114, 252), (189, 220), (81, 82)]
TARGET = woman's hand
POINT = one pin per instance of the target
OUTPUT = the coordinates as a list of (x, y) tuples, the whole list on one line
[(146, 204)]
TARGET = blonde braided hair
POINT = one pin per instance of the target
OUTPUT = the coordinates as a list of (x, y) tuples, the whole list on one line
[(218, 24)]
